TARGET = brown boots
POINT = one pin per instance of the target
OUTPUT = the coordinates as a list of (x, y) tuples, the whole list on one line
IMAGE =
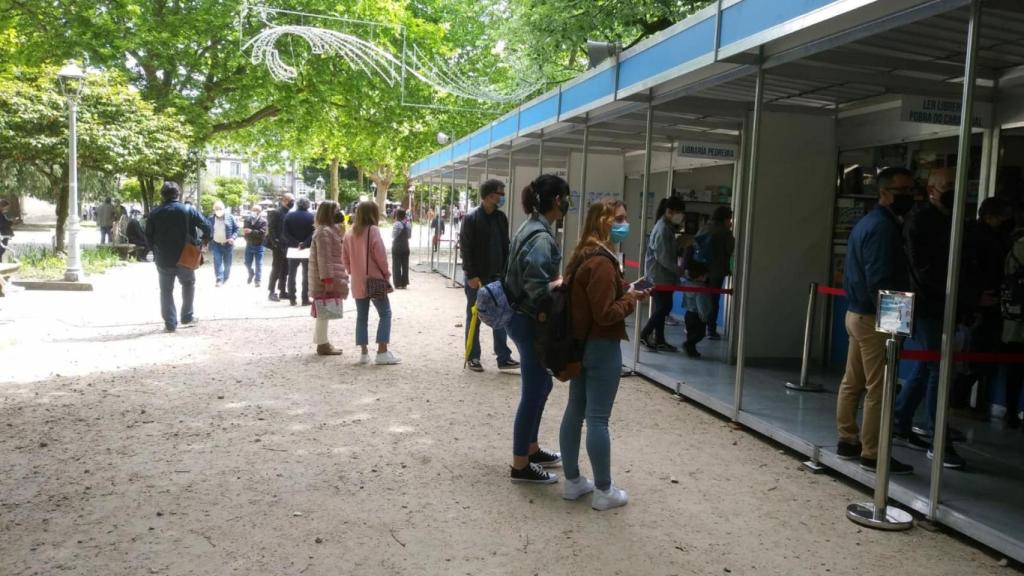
[(327, 350)]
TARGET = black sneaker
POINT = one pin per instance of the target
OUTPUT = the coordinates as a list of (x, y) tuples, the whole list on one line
[(895, 466), (691, 350), (913, 441), (273, 297), (532, 474), (190, 323), (170, 329), (666, 347), (545, 458), (510, 365), (474, 365), (714, 336), (648, 344), (950, 459), (952, 434), (848, 450)]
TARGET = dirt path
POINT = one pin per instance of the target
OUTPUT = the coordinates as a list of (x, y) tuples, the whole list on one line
[(229, 448)]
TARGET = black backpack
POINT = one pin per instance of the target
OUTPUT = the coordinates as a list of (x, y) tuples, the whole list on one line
[(559, 350)]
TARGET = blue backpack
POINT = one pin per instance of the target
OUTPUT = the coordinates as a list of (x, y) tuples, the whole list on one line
[(494, 303), (702, 248)]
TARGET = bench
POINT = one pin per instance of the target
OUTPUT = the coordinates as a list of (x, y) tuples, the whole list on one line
[(124, 251)]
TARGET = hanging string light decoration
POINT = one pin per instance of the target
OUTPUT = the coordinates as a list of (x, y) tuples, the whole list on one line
[(367, 57)]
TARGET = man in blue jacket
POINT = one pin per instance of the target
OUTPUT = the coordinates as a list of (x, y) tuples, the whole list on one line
[(875, 260), (297, 232), (168, 228), (222, 244)]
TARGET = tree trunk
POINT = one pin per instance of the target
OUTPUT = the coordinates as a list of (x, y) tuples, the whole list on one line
[(146, 188), (383, 183), (334, 179)]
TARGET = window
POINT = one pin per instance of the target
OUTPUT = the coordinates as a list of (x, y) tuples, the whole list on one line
[(236, 168)]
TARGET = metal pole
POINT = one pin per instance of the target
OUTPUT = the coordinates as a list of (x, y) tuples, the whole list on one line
[(803, 385), (879, 514), (748, 237), (511, 195), (648, 139), (583, 181), (739, 169), (451, 224), (74, 270), (963, 166)]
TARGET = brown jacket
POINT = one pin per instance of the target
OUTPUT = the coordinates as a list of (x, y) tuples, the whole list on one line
[(600, 303), (325, 262)]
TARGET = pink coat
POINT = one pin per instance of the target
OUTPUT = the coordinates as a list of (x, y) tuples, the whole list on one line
[(354, 255), (325, 262)]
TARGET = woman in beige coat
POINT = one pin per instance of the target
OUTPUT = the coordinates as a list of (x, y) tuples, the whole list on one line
[(327, 275)]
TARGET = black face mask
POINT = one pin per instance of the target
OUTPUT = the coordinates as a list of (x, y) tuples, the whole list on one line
[(339, 217), (947, 199), (902, 203), (290, 205)]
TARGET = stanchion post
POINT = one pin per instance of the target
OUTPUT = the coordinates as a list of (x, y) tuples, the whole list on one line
[(803, 385), (879, 514)]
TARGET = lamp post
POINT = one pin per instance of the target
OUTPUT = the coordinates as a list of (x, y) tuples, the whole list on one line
[(72, 80)]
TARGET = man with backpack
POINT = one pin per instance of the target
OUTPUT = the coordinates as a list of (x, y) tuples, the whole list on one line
[(713, 247), (484, 246)]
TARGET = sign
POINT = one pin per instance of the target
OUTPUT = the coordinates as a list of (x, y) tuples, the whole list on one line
[(895, 313), (946, 112), (592, 198), (713, 150)]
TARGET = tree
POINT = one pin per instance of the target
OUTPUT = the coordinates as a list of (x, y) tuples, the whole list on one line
[(232, 191), (118, 132)]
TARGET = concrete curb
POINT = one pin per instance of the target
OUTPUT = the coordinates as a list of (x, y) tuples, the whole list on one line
[(54, 285)]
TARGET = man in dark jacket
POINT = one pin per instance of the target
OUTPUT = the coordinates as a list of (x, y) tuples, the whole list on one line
[(279, 265), (719, 262), (875, 261), (297, 232), (168, 228), (484, 244), (254, 230)]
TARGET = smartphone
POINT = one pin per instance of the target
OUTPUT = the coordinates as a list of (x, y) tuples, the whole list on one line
[(641, 285)]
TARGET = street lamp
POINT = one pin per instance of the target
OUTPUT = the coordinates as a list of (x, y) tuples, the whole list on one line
[(443, 138), (72, 81)]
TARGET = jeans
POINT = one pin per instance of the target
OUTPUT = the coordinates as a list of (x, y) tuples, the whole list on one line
[(924, 382), (106, 237), (221, 260), (383, 306), (187, 278), (293, 269), (254, 254), (501, 349), (279, 271), (536, 385), (662, 302), (865, 373), (400, 267), (591, 395)]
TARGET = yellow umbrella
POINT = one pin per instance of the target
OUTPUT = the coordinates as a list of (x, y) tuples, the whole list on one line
[(474, 321)]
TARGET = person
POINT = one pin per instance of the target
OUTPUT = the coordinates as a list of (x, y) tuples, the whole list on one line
[(534, 265), (222, 244), (600, 304), (297, 232), (875, 261), (1013, 339), (661, 267), (401, 232), (278, 250), (105, 220), (437, 225), (484, 240), (6, 226), (365, 257), (121, 225), (699, 307), (168, 228), (719, 262), (254, 230), (327, 275), (136, 235)]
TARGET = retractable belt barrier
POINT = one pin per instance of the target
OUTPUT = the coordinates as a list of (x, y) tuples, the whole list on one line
[(804, 385), (676, 287)]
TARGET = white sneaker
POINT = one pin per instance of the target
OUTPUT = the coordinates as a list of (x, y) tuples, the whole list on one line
[(388, 358), (576, 488), (364, 360), (607, 499)]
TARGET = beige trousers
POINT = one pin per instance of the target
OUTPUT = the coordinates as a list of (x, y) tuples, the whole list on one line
[(320, 331), (865, 372)]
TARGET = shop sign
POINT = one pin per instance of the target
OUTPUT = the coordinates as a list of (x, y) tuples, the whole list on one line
[(928, 110), (714, 150)]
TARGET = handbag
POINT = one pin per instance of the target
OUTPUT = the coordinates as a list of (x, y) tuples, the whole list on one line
[(376, 288), (191, 256), (328, 308)]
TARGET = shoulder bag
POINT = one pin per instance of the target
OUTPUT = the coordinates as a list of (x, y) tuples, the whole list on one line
[(191, 256), (376, 288)]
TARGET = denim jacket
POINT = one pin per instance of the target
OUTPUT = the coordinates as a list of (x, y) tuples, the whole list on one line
[(660, 263), (533, 266)]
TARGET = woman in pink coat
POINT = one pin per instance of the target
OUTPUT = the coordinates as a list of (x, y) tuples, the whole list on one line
[(365, 257), (327, 276)]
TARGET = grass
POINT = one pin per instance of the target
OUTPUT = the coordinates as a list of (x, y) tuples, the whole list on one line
[(42, 264)]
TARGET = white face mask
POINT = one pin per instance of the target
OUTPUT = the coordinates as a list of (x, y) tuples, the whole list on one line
[(219, 213), (677, 218)]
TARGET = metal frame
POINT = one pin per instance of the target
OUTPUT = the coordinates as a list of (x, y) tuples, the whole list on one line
[(645, 189)]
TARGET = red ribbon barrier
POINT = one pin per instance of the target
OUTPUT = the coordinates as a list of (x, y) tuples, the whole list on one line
[(831, 291), (630, 263), (976, 357)]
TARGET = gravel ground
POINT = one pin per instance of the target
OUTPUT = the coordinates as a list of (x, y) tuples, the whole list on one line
[(231, 448)]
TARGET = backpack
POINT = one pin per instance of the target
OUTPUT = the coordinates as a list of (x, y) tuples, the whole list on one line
[(1011, 297), (559, 350), (702, 249), (495, 305)]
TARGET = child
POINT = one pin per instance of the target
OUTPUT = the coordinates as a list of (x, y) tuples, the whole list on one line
[(698, 307)]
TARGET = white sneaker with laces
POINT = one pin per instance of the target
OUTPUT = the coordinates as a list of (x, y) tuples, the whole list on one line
[(613, 497), (364, 360), (388, 358), (576, 488)]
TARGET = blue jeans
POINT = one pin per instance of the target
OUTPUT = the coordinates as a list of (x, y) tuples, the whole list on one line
[(536, 385), (187, 278), (924, 382), (383, 306), (591, 395), (254, 253), (106, 236), (221, 260), (501, 349)]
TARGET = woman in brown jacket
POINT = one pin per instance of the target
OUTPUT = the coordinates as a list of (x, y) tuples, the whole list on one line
[(600, 304), (327, 276)]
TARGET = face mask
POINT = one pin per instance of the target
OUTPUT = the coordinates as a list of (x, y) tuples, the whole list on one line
[(902, 203), (619, 232), (339, 217), (947, 199), (501, 201), (219, 213), (677, 218)]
